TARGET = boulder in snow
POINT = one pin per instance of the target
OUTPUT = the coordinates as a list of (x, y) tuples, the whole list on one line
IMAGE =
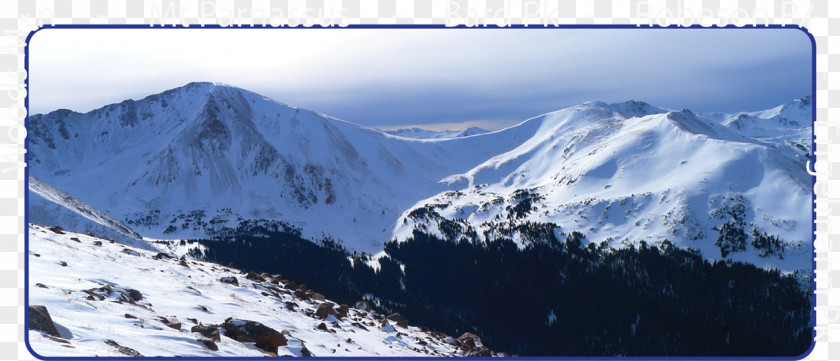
[(209, 331), (229, 280), (40, 320), (325, 309), (262, 336)]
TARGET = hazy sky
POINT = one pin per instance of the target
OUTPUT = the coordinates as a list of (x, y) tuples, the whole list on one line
[(385, 77)]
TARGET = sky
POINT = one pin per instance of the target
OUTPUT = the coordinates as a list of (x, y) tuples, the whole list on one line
[(433, 78)]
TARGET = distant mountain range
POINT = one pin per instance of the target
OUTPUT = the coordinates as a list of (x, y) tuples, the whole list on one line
[(193, 161), (420, 133)]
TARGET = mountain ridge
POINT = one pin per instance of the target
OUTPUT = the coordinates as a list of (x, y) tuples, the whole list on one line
[(234, 154)]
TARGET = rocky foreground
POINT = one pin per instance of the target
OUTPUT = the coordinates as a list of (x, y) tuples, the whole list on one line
[(91, 296)]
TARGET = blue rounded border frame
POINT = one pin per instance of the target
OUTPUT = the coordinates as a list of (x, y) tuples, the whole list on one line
[(454, 28)]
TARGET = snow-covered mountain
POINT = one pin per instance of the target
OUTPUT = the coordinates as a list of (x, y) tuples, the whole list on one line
[(420, 133), (48, 205), (89, 297), (204, 155), (622, 178), (192, 160)]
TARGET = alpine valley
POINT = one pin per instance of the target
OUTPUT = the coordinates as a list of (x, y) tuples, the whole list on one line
[(595, 230)]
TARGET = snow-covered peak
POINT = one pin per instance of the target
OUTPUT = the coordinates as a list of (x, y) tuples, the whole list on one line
[(183, 163), (633, 108), (593, 104)]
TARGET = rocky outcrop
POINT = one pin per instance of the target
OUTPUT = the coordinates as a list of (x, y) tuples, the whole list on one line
[(262, 336), (117, 294), (40, 320)]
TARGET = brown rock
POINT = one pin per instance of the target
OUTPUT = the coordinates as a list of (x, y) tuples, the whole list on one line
[(325, 310), (343, 310), (171, 323), (469, 340), (134, 294), (162, 255), (254, 277), (209, 344), (40, 320), (263, 336), (398, 319), (301, 294), (211, 332)]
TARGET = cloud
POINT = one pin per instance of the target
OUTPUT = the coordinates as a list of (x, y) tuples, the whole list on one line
[(385, 77)]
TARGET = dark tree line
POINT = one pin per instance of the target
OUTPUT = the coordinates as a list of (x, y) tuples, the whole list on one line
[(644, 300)]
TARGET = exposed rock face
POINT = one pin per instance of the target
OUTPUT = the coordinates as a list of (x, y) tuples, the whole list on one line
[(261, 335), (40, 320)]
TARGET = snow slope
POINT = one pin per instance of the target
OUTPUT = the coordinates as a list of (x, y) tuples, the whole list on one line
[(48, 205), (624, 178), (61, 269), (217, 153), (183, 163)]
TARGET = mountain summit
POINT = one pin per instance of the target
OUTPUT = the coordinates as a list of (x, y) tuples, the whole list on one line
[(191, 161)]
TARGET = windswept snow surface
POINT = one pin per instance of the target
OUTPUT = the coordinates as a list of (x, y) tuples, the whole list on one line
[(184, 162), (48, 205), (188, 295)]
